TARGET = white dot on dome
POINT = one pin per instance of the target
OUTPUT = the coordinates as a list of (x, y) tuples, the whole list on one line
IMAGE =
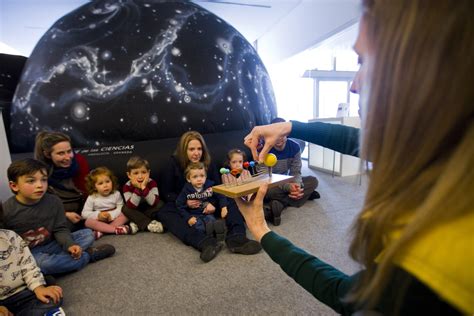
[(184, 119)]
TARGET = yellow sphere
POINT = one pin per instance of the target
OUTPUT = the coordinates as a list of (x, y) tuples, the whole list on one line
[(270, 160)]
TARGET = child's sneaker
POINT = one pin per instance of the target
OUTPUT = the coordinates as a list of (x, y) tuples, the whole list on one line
[(133, 228), (58, 311), (155, 227), (98, 234), (122, 230), (100, 252)]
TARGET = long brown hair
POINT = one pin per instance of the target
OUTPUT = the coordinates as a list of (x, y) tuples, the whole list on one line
[(44, 143), (181, 152), (417, 130)]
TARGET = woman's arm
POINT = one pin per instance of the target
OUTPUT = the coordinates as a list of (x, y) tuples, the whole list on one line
[(322, 280), (341, 138)]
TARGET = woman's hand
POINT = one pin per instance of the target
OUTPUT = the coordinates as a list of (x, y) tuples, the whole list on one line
[(73, 217), (193, 203), (224, 212), (253, 213), (269, 134)]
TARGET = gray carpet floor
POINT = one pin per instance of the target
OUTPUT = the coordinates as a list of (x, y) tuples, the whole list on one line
[(155, 274)]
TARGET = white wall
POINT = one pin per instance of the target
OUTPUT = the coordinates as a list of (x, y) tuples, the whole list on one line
[(4, 162), (309, 23)]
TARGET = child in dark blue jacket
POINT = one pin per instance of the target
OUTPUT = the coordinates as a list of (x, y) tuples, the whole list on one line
[(199, 188)]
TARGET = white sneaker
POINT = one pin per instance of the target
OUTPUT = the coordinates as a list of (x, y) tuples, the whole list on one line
[(155, 227), (133, 228)]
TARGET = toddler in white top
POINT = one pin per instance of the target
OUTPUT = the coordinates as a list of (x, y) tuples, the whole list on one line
[(103, 208)]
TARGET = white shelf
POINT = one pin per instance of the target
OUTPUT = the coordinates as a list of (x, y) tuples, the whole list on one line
[(328, 160)]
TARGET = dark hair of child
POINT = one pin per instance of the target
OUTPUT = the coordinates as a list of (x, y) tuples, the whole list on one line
[(231, 153), (27, 166), (136, 162)]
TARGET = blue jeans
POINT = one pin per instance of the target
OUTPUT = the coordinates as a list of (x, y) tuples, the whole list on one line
[(26, 303), (52, 259), (202, 220)]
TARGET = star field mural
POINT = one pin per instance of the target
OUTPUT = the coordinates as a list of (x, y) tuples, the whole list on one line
[(139, 70)]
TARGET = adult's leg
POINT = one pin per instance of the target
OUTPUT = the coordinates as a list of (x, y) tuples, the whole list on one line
[(310, 184), (277, 193), (236, 239), (26, 303)]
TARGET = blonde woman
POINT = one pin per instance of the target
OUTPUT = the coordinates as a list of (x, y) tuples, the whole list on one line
[(414, 235)]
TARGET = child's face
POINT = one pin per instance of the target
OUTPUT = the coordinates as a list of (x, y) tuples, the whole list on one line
[(138, 175), (103, 185), (197, 177), (30, 188), (236, 161), (62, 154)]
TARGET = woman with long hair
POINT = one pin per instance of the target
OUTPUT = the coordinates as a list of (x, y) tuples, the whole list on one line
[(66, 175), (192, 148), (414, 234)]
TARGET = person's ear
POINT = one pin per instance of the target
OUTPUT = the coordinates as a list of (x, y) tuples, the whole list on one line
[(129, 175), (13, 186)]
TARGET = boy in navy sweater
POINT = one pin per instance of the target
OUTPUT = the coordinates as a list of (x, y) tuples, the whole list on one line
[(200, 188)]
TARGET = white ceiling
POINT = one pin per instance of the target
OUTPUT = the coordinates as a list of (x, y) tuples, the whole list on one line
[(23, 22)]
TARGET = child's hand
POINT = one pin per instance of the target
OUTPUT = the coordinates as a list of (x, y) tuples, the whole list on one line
[(224, 212), (192, 221), (135, 183), (104, 217), (4, 311), (51, 292), (209, 209), (145, 182), (75, 251), (73, 217)]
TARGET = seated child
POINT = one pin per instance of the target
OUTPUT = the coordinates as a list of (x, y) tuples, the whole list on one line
[(22, 286), (38, 217), (142, 200), (235, 161), (199, 188), (103, 208)]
